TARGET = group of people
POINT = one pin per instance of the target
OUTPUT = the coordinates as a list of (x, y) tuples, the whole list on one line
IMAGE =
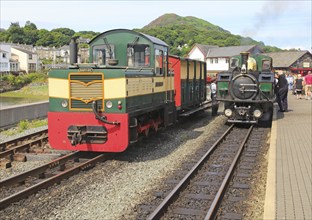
[(304, 84), (282, 86)]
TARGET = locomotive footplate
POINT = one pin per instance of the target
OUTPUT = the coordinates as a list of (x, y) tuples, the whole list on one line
[(86, 134)]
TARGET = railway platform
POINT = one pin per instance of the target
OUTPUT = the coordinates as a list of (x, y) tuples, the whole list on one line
[(289, 180)]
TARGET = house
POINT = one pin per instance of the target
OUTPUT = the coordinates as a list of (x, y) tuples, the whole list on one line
[(46, 52), (4, 60), (29, 61), (218, 58), (297, 62), (8, 63), (200, 51)]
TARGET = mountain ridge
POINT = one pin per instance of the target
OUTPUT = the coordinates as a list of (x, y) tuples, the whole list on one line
[(181, 33)]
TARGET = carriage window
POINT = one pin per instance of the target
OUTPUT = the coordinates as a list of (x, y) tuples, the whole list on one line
[(102, 53), (266, 65), (138, 55), (234, 63), (159, 62)]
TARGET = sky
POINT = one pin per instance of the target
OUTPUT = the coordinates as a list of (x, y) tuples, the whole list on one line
[(282, 23)]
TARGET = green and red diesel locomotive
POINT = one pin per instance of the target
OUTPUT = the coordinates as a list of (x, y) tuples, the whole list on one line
[(129, 87), (247, 89)]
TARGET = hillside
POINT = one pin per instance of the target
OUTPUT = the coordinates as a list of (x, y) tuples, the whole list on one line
[(173, 19), (181, 33)]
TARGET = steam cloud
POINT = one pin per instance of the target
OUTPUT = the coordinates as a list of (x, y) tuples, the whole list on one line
[(270, 12)]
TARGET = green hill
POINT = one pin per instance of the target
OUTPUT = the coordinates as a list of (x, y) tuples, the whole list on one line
[(173, 19), (181, 33)]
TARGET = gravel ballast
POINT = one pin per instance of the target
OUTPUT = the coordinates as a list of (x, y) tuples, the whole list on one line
[(111, 190)]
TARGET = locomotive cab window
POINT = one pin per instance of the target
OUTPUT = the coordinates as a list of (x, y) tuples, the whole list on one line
[(160, 62), (138, 55), (266, 65), (102, 53)]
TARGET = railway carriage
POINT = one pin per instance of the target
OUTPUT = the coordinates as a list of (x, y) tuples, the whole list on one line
[(247, 89), (127, 89)]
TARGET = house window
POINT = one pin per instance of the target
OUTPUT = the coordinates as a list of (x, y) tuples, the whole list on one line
[(32, 67), (4, 55), (211, 61), (30, 56), (216, 60), (227, 60)]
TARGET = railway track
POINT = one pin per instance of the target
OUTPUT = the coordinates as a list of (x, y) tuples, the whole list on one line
[(21, 145), (12, 143), (25, 184), (201, 190)]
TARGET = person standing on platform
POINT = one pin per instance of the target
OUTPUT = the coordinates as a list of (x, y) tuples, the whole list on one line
[(299, 86), (308, 85), (282, 92)]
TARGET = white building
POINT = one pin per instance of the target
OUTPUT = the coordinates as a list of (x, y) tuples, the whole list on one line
[(217, 58), (200, 51), (5, 55), (8, 63), (4, 61), (29, 61)]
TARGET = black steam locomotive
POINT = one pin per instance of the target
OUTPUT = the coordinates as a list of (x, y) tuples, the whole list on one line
[(247, 89)]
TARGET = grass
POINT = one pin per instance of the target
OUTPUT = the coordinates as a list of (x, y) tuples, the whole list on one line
[(24, 125), (29, 91)]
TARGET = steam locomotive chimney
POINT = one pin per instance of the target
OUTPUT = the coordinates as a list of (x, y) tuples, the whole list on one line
[(245, 59), (73, 51)]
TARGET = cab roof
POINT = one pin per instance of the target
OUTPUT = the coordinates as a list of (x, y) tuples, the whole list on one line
[(148, 37)]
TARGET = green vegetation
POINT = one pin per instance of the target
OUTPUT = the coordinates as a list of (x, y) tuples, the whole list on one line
[(29, 34), (25, 79), (24, 125), (181, 33), (33, 86), (32, 91)]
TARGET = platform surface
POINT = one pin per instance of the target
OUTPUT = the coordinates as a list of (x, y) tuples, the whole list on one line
[(289, 180)]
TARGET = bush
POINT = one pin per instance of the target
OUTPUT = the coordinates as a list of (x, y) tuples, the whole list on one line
[(23, 125), (22, 80)]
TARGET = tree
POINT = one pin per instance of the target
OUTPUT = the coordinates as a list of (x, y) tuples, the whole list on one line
[(60, 39), (45, 38), (31, 33), (65, 31), (16, 33)]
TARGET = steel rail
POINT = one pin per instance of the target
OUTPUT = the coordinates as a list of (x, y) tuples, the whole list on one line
[(158, 212), (38, 170), (52, 180), (5, 144), (22, 147), (213, 210)]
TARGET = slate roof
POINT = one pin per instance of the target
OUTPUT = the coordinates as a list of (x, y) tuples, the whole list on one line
[(228, 51), (286, 59), (4, 51), (13, 60), (205, 48), (23, 50)]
